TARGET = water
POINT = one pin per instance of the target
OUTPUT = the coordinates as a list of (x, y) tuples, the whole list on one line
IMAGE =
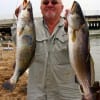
[(95, 52)]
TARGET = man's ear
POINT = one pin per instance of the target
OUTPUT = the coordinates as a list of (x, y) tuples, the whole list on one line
[(62, 7), (40, 7)]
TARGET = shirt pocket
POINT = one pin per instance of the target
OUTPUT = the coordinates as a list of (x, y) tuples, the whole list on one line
[(61, 42), (61, 49), (40, 46)]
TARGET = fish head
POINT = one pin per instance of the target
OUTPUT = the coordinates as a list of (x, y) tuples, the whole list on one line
[(24, 11), (75, 16)]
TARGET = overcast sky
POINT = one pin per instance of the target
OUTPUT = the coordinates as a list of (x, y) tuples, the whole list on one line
[(7, 7)]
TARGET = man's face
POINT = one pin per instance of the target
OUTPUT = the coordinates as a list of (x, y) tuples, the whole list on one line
[(51, 8)]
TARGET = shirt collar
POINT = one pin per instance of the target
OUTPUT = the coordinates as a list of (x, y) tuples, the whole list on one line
[(60, 24)]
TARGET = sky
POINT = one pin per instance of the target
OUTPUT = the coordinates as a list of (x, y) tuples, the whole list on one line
[(7, 7)]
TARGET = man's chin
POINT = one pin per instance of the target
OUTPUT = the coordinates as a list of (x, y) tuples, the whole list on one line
[(50, 15)]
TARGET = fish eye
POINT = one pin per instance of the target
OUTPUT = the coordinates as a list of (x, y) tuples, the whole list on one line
[(28, 9)]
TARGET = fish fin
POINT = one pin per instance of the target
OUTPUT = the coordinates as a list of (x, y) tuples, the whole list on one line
[(8, 86), (21, 31), (92, 70), (74, 35)]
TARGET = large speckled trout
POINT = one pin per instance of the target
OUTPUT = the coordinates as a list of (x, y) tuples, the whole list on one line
[(25, 47), (79, 49)]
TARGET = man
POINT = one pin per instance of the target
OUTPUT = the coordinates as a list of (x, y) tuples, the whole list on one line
[(50, 75)]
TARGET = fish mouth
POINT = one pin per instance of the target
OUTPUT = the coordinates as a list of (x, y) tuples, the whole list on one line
[(23, 6), (74, 7), (25, 3), (76, 10)]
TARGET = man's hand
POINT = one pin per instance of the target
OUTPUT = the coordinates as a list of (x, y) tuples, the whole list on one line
[(88, 97), (66, 22), (95, 89)]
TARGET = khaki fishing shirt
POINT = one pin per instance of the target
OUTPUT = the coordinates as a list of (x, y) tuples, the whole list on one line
[(50, 75)]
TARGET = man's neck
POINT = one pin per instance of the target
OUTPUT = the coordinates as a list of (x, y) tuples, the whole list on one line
[(51, 24)]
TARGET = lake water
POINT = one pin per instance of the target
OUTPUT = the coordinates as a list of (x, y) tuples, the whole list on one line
[(95, 52)]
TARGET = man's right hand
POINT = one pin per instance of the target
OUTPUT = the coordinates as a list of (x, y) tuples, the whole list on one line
[(66, 22)]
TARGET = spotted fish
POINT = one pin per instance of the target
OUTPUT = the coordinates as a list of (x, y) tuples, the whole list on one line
[(26, 41), (79, 49)]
